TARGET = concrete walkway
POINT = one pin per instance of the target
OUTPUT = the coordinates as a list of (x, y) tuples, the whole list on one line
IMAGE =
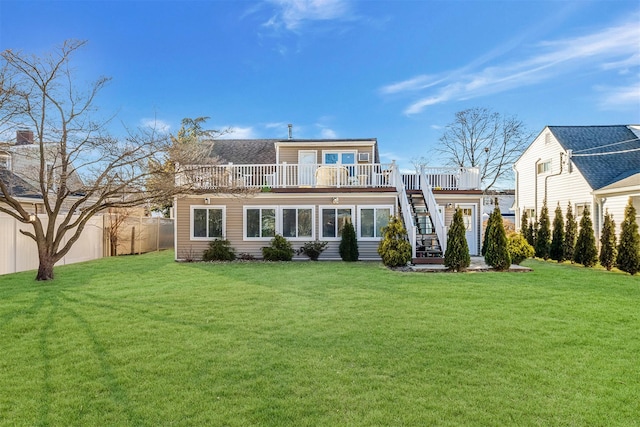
[(477, 265)]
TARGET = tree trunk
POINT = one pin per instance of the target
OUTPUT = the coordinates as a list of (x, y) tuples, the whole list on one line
[(45, 268)]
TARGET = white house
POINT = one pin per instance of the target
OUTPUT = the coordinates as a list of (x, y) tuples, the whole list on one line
[(588, 166)]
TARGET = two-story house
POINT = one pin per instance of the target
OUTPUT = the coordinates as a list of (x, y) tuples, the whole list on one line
[(595, 167), (307, 189)]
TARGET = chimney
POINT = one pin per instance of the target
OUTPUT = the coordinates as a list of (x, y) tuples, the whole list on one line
[(290, 131), (24, 137)]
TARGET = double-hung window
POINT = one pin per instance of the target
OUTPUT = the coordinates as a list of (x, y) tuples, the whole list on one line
[(371, 221), (207, 222), (259, 222), (297, 222), (334, 219)]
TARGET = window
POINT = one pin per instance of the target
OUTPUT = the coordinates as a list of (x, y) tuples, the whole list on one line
[(207, 223), (260, 223), (544, 167), (5, 161), (333, 221), (340, 158), (298, 222), (580, 207), (372, 220)]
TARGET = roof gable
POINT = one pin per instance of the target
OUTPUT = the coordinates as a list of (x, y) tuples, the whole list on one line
[(602, 154), (245, 151)]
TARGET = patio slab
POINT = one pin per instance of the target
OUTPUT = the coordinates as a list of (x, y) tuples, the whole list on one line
[(477, 265)]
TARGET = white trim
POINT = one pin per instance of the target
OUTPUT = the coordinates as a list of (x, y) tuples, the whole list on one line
[(208, 207), (260, 207), (280, 224), (339, 152), (334, 207), (375, 208)]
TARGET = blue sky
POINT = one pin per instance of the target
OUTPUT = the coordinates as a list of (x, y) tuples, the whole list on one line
[(394, 70)]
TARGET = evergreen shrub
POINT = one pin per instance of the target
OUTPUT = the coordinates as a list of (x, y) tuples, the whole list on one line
[(280, 249), (519, 248), (456, 256), (586, 252), (219, 250), (349, 243), (394, 248), (628, 259)]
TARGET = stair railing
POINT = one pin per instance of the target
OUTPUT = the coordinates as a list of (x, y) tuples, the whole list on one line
[(406, 210), (432, 205)]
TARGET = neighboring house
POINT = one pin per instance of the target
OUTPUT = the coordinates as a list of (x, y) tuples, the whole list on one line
[(506, 200), (28, 196), (588, 166), (306, 190)]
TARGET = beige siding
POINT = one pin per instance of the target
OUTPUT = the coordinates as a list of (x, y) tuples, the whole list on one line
[(290, 154), (188, 248)]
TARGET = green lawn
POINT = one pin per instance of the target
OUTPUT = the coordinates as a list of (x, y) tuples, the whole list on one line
[(146, 341)]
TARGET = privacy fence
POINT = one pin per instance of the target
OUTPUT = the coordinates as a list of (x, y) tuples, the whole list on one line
[(103, 236)]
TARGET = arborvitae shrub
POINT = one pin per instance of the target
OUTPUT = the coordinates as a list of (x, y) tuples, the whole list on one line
[(457, 257), (349, 243), (394, 248), (628, 258), (524, 226), (279, 250), (608, 250), (219, 250), (543, 235), (570, 234), (531, 234), (519, 248), (586, 252), (556, 251), (487, 230), (497, 254)]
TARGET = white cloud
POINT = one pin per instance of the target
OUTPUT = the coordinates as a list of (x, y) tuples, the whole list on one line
[(290, 14), (327, 133), (158, 125), (616, 47), (238, 132), (614, 98)]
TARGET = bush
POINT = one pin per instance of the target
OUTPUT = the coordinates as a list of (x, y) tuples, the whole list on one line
[(349, 243), (608, 249), (543, 234), (586, 252), (313, 249), (280, 250), (628, 258), (219, 250), (556, 252), (519, 248), (394, 248), (497, 253), (457, 257), (570, 234)]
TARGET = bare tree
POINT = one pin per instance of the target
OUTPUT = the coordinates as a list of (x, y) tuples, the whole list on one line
[(487, 140), (79, 169)]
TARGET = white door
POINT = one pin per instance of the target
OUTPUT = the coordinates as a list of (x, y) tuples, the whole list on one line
[(307, 165), (469, 218)]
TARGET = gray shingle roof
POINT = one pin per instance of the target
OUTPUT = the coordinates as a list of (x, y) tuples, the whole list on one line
[(18, 187), (245, 151), (588, 144)]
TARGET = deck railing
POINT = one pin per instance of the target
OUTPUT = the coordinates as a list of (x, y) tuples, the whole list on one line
[(444, 179), (284, 175)]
